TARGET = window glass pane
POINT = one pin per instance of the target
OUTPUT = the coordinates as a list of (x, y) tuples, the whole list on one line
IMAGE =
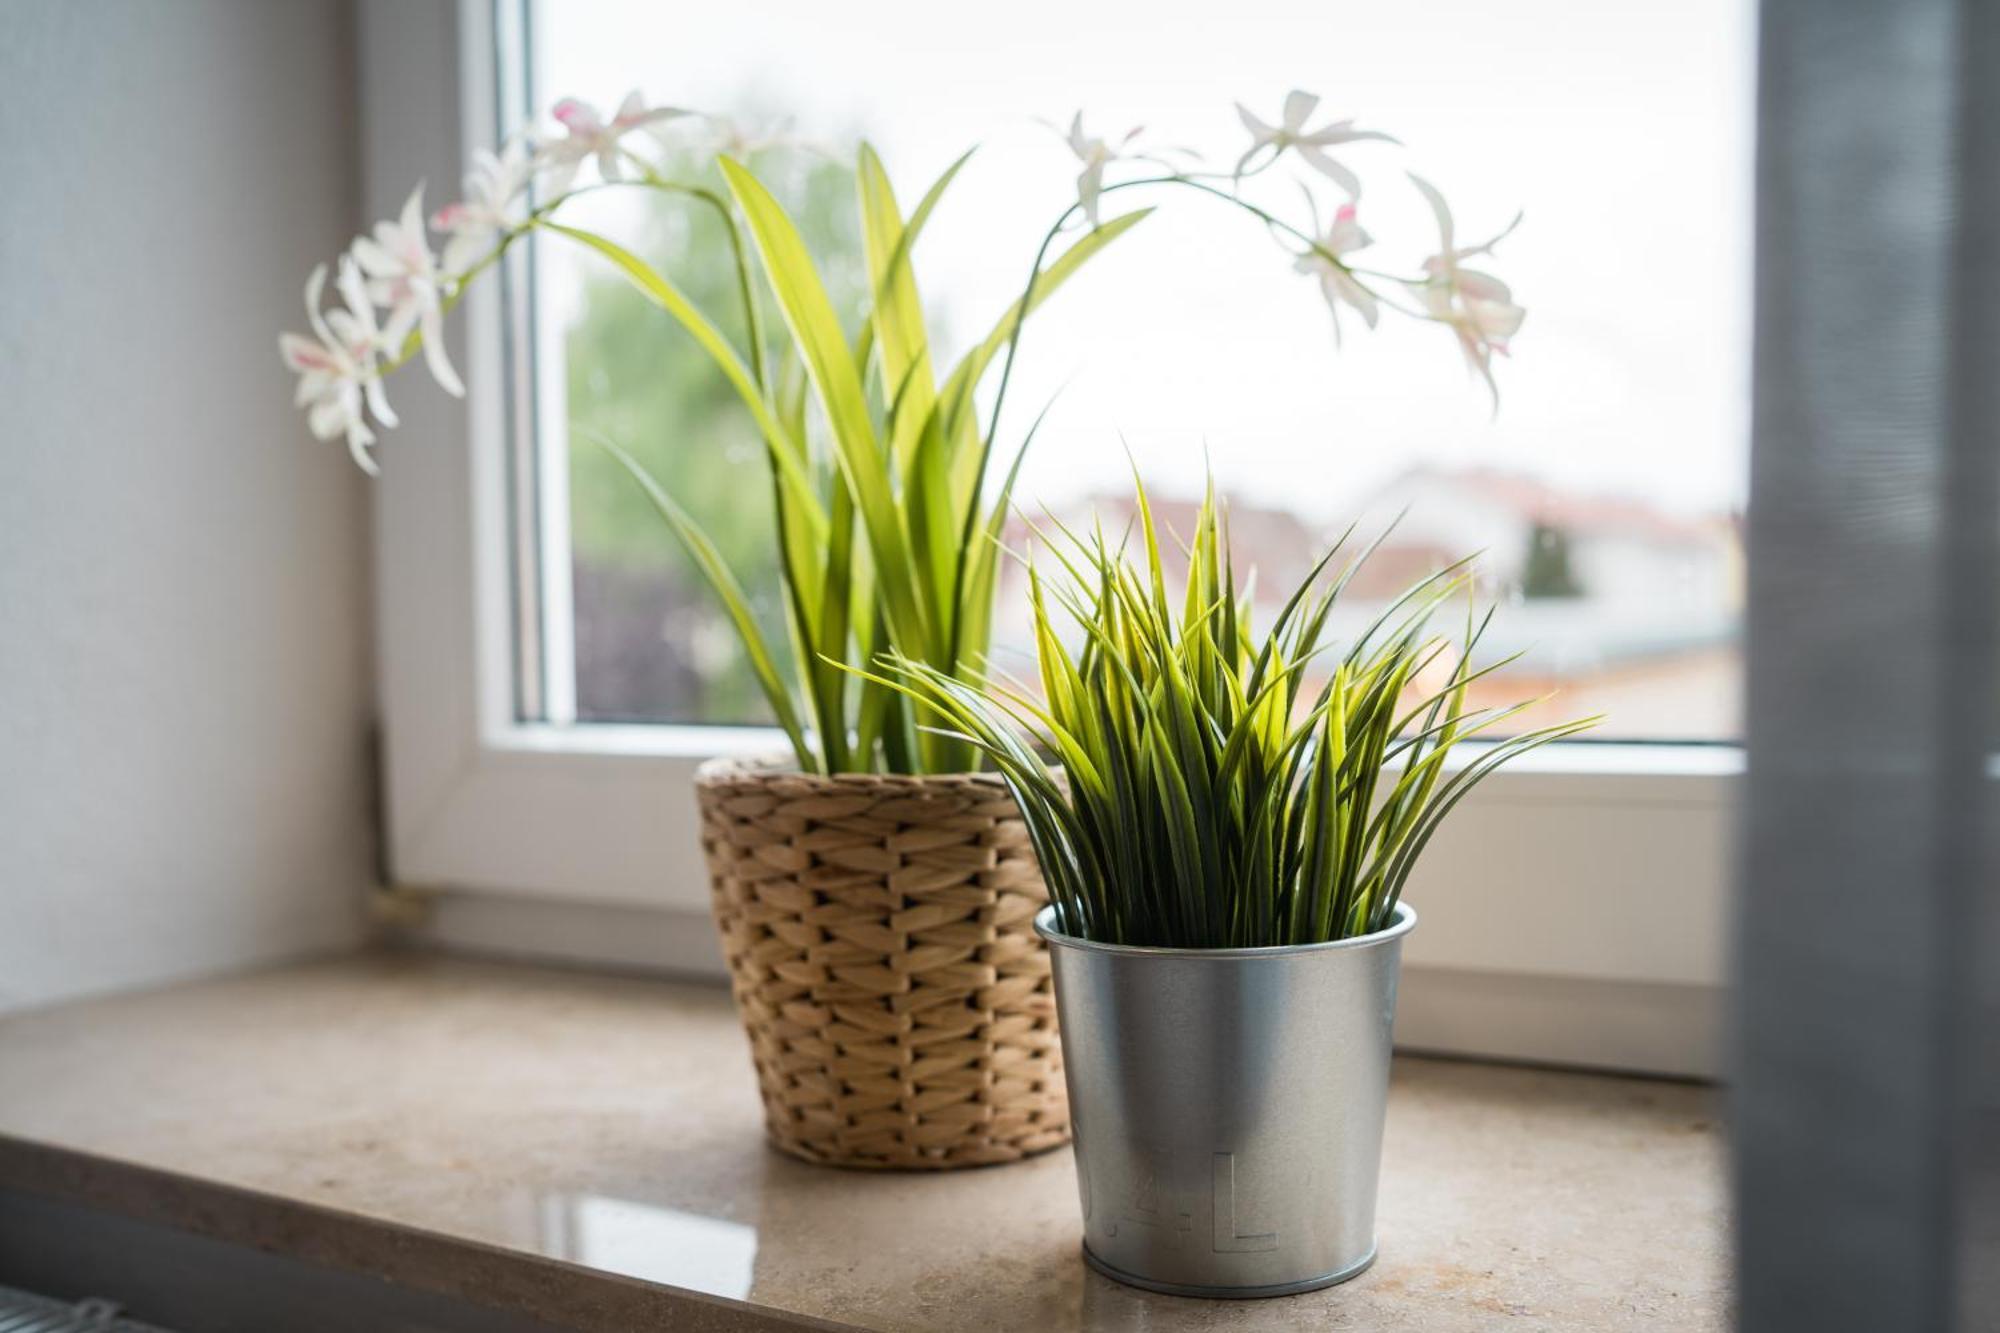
[(1605, 493)]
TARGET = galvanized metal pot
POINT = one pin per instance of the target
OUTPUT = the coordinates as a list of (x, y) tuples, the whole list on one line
[(1228, 1107)]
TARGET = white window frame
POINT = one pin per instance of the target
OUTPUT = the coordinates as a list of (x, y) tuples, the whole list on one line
[(1574, 909)]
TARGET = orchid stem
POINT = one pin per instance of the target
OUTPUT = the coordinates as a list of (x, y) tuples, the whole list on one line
[(653, 181), (1178, 178), (753, 326)]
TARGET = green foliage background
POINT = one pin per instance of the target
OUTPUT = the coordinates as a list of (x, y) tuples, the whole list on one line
[(636, 378)]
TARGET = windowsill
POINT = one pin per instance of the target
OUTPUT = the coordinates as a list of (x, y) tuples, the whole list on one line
[(525, 1114), (638, 740)]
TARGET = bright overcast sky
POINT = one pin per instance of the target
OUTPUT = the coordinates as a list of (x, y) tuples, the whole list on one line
[(1623, 131)]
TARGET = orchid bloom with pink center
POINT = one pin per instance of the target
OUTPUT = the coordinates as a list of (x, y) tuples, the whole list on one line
[(494, 189), (1096, 155), (590, 135), (338, 379), (1335, 283), (404, 278), (1478, 307), (1291, 132)]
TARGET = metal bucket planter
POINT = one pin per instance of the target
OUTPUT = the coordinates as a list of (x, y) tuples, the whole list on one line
[(1228, 1107), (879, 936)]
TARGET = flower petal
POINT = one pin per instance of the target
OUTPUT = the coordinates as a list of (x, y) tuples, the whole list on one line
[(354, 292), (435, 355), (658, 116), (375, 261), (303, 354), (378, 403), (1439, 208), (1088, 186), (1361, 299), (396, 329), (1347, 233), (1482, 286), (1317, 159), (1339, 133), (315, 285), (1435, 297), (359, 437), (412, 220), (1299, 106), (560, 175), (579, 118), (1487, 246), (326, 420), (465, 247), (1497, 321)]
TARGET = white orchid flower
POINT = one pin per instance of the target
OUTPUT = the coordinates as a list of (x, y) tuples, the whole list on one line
[(338, 380), (731, 138), (1478, 307), (590, 135), (1335, 282), (494, 189), (404, 278), (1096, 155), (1291, 132)]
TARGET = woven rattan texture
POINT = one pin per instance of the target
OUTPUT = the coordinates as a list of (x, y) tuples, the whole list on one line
[(880, 943)]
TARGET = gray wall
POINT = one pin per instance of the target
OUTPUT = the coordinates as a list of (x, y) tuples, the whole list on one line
[(184, 657)]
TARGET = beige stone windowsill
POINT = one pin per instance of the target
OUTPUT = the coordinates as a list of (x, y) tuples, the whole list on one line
[(612, 1124)]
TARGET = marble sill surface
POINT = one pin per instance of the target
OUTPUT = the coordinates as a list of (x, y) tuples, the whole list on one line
[(611, 1125)]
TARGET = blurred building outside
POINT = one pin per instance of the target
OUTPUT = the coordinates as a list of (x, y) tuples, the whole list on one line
[(1612, 605)]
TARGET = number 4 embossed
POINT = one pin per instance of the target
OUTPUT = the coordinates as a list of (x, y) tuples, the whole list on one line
[(1227, 1239)]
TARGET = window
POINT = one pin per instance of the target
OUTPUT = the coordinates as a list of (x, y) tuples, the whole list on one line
[(524, 620), (1605, 495)]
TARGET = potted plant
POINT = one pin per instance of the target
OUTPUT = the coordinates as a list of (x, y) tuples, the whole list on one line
[(1226, 861), (875, 890)]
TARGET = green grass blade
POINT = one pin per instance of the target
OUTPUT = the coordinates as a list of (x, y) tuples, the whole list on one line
[(708, 559)]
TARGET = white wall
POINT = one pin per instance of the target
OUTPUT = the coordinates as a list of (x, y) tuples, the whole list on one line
[(184, 685)]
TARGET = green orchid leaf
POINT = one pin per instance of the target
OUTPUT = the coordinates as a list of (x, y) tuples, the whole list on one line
[(708, 559)]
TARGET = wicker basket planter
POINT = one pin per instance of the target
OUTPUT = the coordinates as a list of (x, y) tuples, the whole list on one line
[(880, 940)]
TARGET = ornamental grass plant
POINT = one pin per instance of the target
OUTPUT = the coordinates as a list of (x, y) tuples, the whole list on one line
[(1192, 783)]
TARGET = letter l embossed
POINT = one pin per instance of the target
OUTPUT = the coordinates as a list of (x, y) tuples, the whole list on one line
[(1227, 1241)]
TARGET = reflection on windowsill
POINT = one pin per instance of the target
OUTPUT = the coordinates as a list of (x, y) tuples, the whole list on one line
[(647, 1241)]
